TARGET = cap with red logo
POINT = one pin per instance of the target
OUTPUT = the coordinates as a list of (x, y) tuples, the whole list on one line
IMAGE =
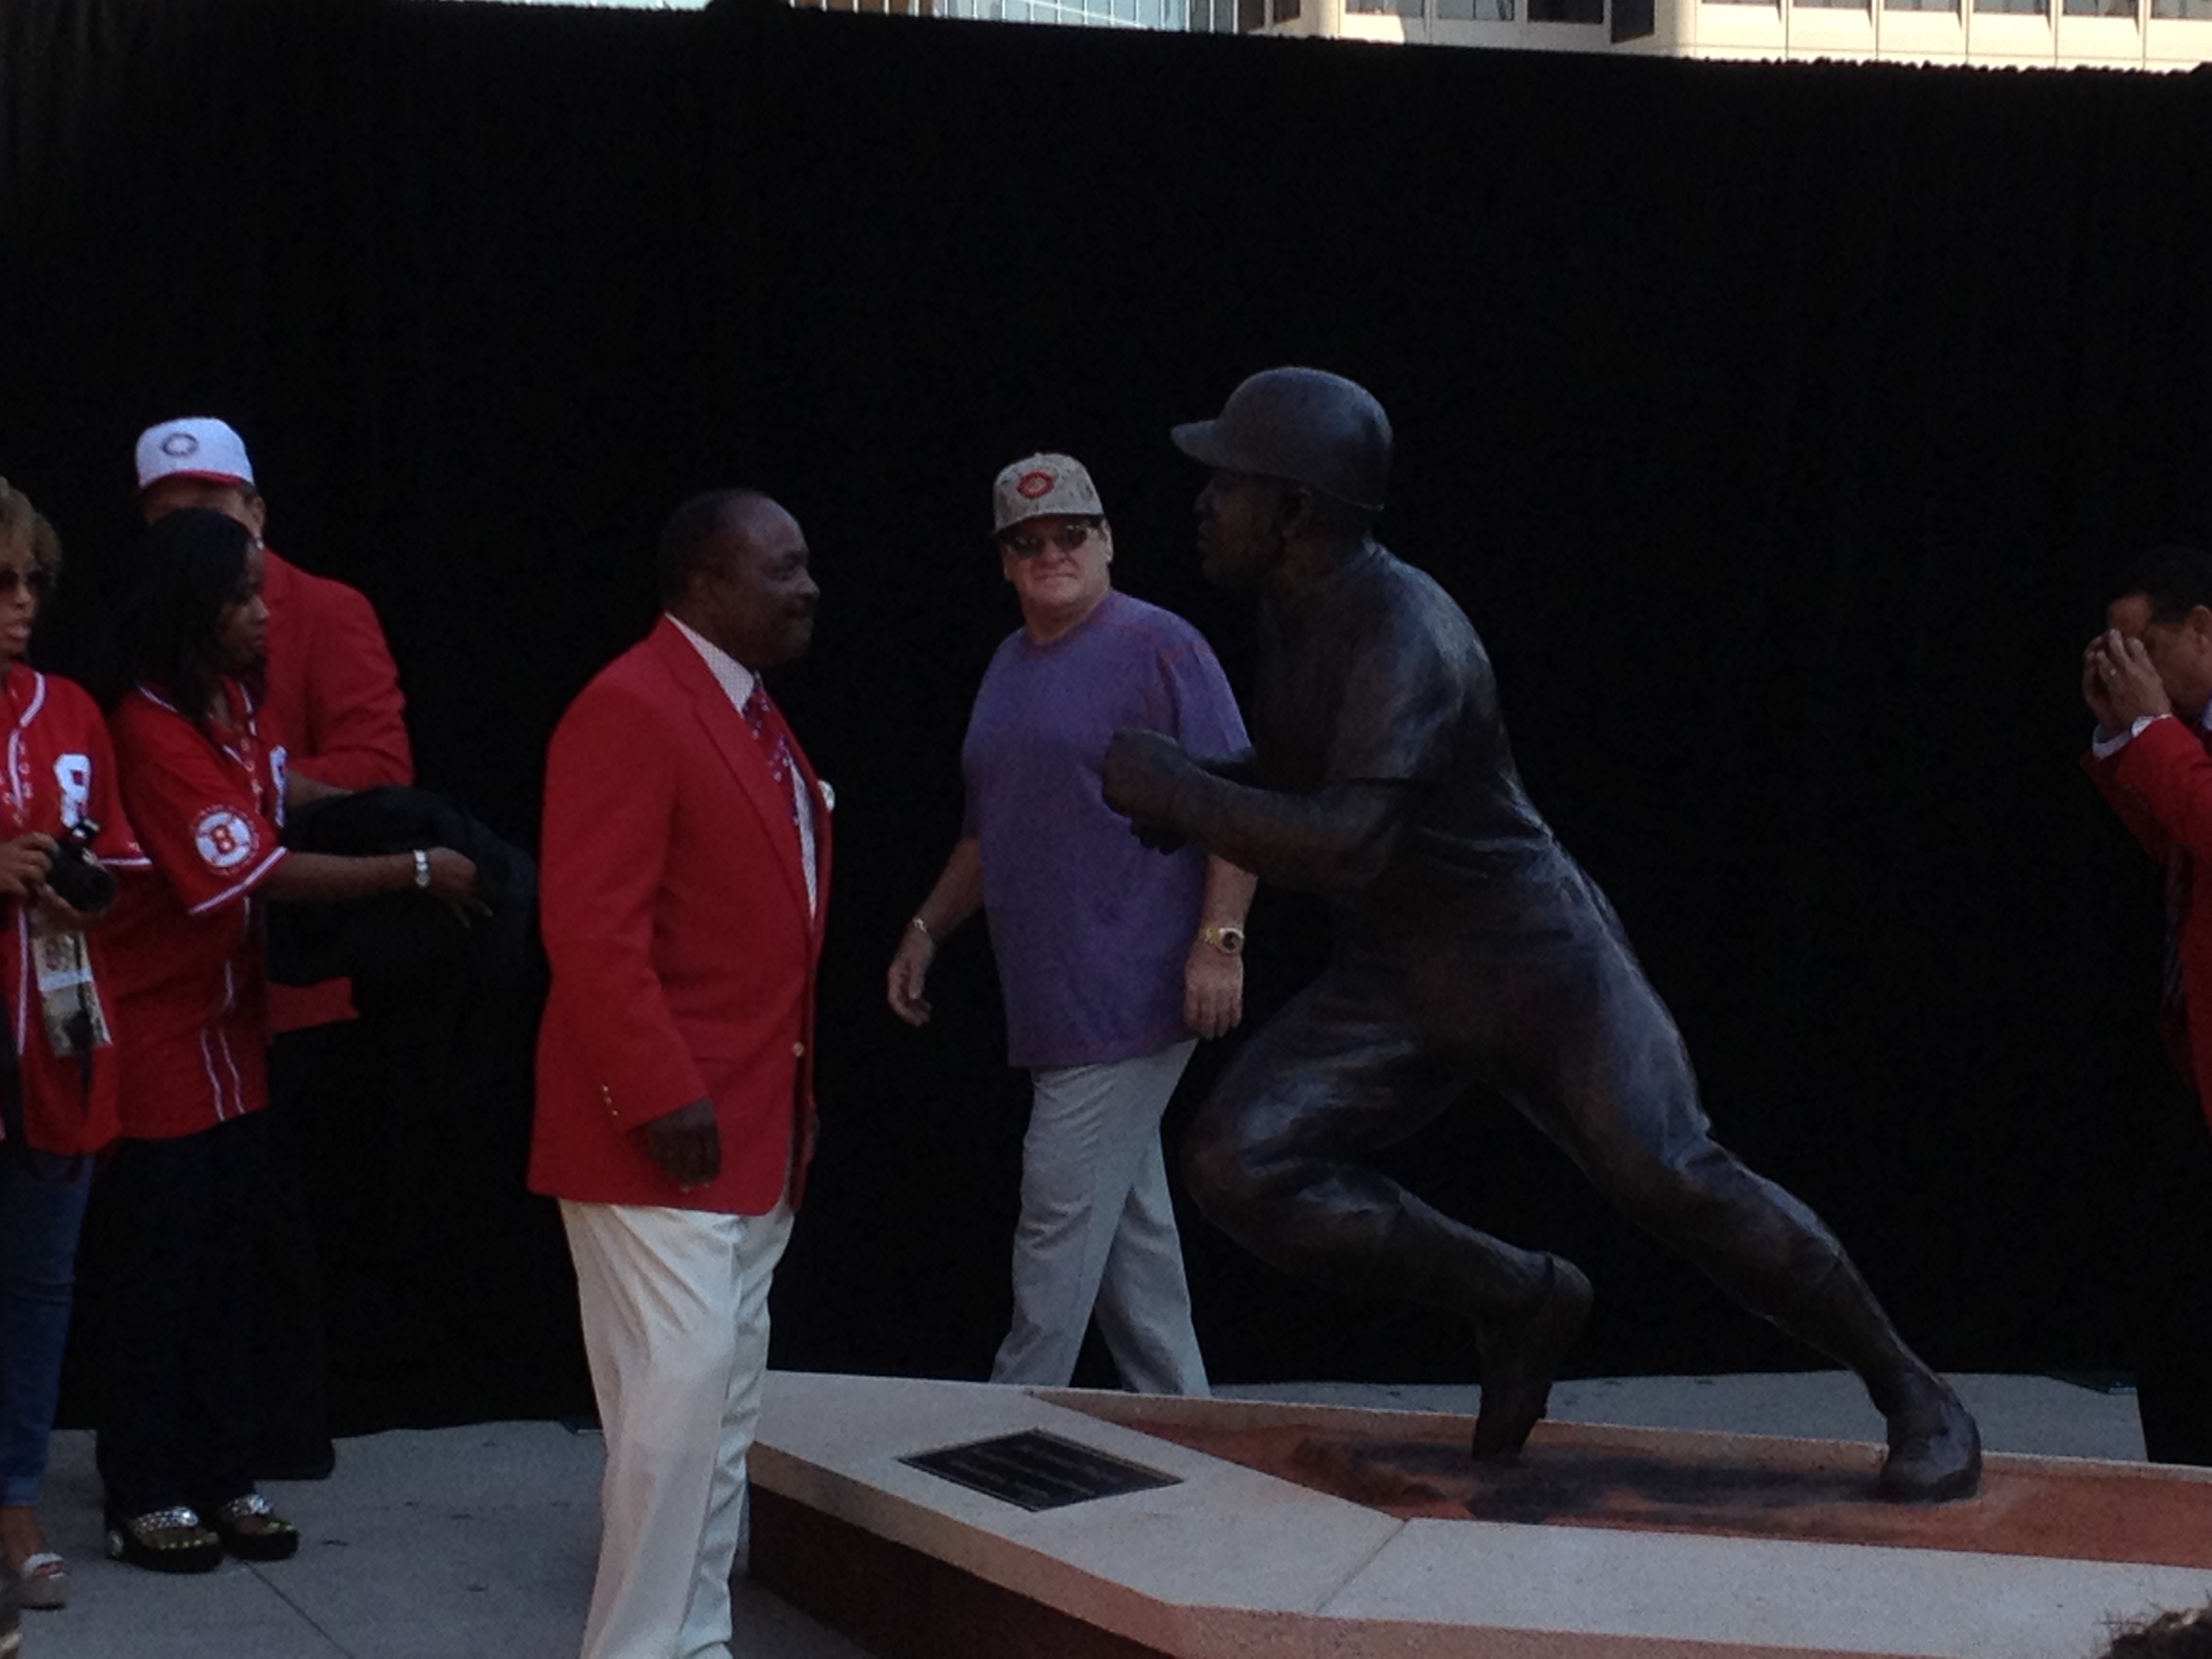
[(197, 447), (1044, 487)]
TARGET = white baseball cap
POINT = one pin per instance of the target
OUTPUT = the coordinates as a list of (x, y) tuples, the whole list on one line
[(195, 447), (1043, 487)]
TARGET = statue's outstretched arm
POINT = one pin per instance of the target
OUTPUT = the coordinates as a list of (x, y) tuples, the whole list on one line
[(1238, 766), (1335, 839)]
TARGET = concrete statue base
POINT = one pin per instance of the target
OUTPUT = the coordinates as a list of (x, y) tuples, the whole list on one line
[(1311, 1532)]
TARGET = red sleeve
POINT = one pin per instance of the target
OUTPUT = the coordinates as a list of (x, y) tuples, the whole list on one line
[(2167, 771), (609, 804), (2135, 811), (196, 819), (355, 717)]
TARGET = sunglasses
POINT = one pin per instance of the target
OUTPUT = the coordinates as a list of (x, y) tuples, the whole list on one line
[(1027, 544), (38, 578)]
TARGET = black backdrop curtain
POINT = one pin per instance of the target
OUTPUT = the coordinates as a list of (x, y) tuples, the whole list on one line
[(1777, 425)]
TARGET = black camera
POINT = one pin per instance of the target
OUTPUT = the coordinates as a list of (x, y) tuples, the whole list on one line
[(75, 878)]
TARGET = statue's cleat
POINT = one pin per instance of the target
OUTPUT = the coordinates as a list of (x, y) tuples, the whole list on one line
[(1520, 1360), (1934, 1454)]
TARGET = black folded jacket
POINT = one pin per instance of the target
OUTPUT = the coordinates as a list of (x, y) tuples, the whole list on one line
[(396, 938)]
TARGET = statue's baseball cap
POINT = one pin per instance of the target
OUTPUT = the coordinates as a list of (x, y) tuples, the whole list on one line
[(1303, 424), (1043, 487), (193, 446)]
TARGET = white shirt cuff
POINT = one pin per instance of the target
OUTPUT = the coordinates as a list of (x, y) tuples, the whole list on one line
[(2104, 747)]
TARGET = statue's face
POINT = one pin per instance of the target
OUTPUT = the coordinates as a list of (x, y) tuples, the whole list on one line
[(1240, 536)]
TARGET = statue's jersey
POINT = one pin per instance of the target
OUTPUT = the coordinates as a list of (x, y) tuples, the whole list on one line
[(1376, 675)]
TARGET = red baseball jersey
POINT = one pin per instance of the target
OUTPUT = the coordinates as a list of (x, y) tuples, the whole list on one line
[(333, 688), (186, 935), (60, 773)]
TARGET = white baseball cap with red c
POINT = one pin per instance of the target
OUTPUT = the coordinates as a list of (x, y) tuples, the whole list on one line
[(197, 447)]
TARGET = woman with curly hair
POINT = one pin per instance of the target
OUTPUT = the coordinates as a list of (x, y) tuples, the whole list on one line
[(58, 1076)]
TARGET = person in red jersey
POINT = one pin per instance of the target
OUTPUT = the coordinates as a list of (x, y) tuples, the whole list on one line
[(331, 684), (686, 856), (59, 786), (204, 780)]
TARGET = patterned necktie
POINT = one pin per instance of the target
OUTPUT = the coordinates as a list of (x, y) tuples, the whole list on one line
[(780, 765)]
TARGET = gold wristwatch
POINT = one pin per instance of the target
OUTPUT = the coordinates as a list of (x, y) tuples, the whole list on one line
[(1230, 938)]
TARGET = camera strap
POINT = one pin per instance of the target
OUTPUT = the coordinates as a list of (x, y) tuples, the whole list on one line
[(68, 998)]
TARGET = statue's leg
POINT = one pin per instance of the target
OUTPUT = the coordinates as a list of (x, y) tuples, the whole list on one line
[(1277, 1158), (1619, 1094)]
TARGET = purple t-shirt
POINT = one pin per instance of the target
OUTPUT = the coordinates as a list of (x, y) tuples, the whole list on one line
[(1090, 926)]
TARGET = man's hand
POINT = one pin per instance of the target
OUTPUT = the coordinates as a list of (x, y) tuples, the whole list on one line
[(910, 973), (2096, 667), (2129, 681), (687, 1144), (1142, 772), (24, 862), (1213, 989)]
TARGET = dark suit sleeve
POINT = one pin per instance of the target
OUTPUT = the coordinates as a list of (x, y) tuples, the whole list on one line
[(610, 795)]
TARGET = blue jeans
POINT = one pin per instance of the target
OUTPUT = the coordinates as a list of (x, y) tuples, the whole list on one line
[(41, 1212)]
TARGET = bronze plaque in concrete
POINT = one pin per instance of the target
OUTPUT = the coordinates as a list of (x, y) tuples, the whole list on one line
[(1037, 1471)]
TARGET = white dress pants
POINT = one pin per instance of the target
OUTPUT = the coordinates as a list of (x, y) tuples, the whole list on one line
[(675, 1311), (1098, 1232)]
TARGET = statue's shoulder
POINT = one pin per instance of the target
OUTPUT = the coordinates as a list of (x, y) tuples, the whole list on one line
[(1420, 616)]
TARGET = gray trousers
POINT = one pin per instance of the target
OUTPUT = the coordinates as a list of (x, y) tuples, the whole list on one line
[(1098, 1232)]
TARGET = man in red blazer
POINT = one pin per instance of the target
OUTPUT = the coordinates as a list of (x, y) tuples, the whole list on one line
[(686, 861), (2148, 678)]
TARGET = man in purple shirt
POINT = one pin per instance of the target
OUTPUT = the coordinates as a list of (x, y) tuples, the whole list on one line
[(1114, 959)]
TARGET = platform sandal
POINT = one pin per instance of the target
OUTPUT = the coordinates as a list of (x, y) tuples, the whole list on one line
[(274, 1539), (163, 1540), (43, 1582)]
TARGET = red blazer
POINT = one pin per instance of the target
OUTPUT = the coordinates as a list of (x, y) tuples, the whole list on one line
[(2160, 784), (674, 915), (335, 693)]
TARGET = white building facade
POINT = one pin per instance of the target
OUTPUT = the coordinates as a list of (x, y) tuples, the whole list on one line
[(2151, 34), (2157, 34)]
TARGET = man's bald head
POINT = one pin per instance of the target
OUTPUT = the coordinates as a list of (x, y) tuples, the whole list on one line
[(691, 542), (734, 569)]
